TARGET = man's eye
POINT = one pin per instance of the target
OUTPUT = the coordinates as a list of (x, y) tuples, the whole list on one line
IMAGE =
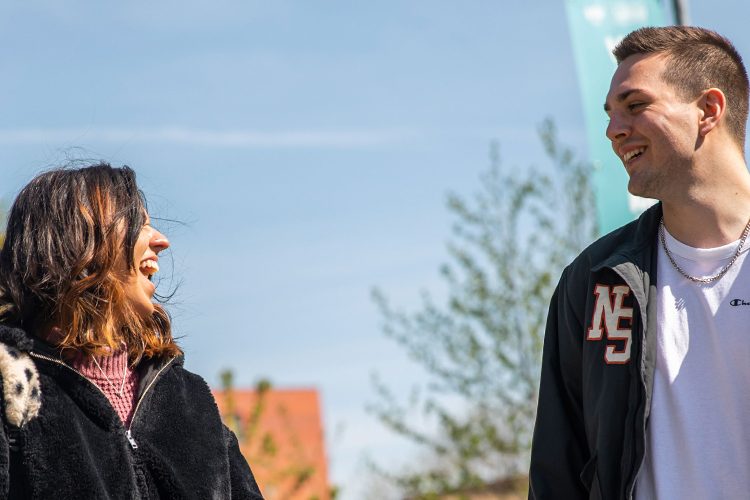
[(635, 105)]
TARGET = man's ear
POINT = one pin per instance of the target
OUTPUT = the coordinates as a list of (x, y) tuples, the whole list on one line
[(713, 106)]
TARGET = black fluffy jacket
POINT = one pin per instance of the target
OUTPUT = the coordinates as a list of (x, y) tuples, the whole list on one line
[(61, 438)]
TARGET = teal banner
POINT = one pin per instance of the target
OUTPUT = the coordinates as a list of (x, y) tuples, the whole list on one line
[(596, 26)]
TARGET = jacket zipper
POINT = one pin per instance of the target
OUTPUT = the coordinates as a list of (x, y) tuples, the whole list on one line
[(61, 363), (642, 382), (639, 432), (128, 433)]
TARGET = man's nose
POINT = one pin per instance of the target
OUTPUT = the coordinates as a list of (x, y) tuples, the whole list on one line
[(617, 129)]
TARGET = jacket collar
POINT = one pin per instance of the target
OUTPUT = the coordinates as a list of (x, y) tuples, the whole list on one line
[(25, 342), (15, 337), (18, 338), (636, 241)]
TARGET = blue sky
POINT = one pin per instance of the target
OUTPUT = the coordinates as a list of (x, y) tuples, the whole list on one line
[(308, 147)]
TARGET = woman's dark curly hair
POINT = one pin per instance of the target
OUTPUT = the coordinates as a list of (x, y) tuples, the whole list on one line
[(69, 231)]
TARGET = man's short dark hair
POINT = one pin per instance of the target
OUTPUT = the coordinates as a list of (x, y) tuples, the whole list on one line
[(698, 59)]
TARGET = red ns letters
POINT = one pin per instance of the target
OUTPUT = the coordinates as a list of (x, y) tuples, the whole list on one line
[(608, 313)]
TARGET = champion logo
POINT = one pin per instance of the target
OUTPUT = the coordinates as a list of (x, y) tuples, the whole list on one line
[(739, 302)]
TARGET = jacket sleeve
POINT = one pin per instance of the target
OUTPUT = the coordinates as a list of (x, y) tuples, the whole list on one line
[(243, 483), (559, 450)]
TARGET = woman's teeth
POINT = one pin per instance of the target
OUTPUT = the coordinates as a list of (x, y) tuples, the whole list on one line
[(149, 268)]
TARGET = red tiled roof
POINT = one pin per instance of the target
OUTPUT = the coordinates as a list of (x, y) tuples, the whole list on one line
[(283, 443)]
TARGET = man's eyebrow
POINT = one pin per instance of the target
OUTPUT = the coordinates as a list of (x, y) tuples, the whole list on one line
[(621, 97)]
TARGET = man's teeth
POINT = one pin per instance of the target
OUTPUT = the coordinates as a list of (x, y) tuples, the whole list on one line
[(149, 267), (630, 154)]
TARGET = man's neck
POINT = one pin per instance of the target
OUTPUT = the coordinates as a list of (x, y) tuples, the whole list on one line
[(709, 206), (713, 212)]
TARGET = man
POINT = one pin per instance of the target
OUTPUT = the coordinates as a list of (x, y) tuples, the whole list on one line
[(645, 389)]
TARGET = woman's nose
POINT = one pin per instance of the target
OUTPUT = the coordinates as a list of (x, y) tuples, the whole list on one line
[(158, 242)]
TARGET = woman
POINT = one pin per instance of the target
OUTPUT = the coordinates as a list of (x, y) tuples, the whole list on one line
[(96, 401)]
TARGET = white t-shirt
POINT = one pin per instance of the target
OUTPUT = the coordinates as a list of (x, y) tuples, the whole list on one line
[(698, 436)]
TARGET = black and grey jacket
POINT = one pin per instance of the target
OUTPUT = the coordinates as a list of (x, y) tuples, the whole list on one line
[(61, 438), (597, 369)]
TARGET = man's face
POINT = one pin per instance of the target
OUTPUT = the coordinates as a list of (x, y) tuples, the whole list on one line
[(653, 130)]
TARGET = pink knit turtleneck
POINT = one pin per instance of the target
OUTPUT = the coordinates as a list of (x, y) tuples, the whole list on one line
[(109, 380)]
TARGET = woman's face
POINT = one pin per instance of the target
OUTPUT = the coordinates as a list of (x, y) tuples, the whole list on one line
[(139, 289)]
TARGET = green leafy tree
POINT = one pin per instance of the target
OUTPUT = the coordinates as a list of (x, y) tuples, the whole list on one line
[(482, 346)]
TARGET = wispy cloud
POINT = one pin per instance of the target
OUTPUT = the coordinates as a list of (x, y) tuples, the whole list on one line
[(203, 137)]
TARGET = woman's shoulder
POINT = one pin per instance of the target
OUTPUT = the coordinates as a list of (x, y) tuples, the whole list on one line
[(190, 378), (179, 395), (174, 374)]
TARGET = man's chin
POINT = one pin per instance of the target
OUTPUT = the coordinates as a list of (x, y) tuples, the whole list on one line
[(637, 188), (633, 190)]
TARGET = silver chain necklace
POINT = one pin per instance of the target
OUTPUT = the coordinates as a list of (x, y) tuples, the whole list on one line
[(709, 279)]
